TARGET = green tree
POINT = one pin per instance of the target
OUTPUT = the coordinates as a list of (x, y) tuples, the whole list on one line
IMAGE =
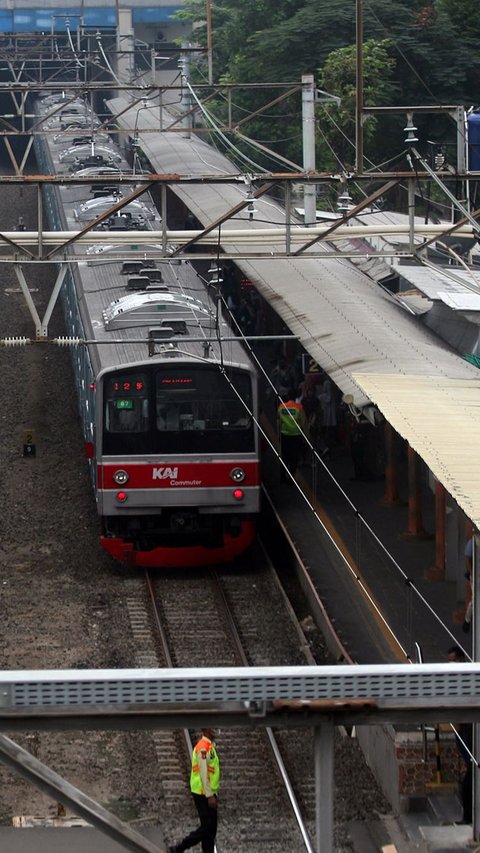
[(459, 21), (338, 77), (463, 16), (234, 26), (269, 41)]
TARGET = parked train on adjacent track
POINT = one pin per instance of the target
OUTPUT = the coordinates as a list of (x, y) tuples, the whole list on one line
[(169, 422)]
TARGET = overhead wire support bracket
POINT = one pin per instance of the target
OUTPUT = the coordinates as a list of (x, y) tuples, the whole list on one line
[(452, 228), (354, 212), (440, 183), (230, 213)]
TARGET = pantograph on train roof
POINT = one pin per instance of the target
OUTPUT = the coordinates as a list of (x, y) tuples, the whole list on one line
[(145, 309)]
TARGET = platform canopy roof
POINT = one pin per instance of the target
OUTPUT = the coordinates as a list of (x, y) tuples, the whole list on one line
[(367, 343), (440, 418)]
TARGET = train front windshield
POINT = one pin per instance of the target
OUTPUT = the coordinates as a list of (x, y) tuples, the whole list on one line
[(177, 409)]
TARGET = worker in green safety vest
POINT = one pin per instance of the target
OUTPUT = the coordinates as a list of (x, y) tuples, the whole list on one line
[(292, 425), (204, 784)]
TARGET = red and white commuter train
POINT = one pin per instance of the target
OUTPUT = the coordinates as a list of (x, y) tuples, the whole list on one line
[(169, 409)]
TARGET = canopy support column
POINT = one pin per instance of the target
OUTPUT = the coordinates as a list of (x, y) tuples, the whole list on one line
[(415, 529), (437, 572), (324, 786), (391, 496)]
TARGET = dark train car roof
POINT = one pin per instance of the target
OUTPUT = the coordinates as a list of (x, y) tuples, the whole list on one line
[(112, 313)]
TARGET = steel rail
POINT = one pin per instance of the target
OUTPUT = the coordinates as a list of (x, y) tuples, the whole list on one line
[(271, 737), (243, 660), (166, 651), (164, 643)]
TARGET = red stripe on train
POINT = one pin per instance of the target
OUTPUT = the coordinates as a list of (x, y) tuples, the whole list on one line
[(187, 475)]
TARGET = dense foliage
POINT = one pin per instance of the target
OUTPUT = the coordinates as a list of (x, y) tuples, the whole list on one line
[(416, 52)]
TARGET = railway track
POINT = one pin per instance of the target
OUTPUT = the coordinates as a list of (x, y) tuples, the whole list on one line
[(231, 617), (41, 619)]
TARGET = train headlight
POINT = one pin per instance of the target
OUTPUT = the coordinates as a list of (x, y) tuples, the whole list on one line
[(237, 475), (121, 497), (121, 477)]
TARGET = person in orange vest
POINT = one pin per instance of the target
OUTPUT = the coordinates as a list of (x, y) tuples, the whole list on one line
[(204, 785), (293, 426)]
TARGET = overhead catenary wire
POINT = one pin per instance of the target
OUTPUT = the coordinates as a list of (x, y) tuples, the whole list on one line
[(100, 47), (380, 543), (213, 123), (414, 589), (72, 46), (352, 506), (247, 110), (350, 142)]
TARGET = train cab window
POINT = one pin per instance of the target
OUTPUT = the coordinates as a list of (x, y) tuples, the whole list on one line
[(177, 409), (126, 403), (197, 409), (168, 416)]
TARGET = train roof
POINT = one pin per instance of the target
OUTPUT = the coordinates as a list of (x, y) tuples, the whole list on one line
[(119, 318)]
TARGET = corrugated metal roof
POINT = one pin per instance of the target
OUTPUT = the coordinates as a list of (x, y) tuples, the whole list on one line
[(461, 301), (349, 324), (342, 318), (440, 418), (442, 285), (369, 346), (456, 286)]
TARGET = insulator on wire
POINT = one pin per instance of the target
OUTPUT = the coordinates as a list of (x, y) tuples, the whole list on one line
[(410, 129), (15, 342), (67, 342)]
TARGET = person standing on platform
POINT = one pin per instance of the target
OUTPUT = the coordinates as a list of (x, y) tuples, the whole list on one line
[(359, 448), (467, 620), (204, 785), (292, 426), (282, 377), (329, 410), (464, 741), (313, 416)]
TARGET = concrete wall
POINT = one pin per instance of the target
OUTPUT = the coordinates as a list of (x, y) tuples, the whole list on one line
[(378, 746), (406, 769)]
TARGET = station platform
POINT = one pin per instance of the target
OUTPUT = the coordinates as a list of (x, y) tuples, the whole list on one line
[(419, 610), (401, 589)]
